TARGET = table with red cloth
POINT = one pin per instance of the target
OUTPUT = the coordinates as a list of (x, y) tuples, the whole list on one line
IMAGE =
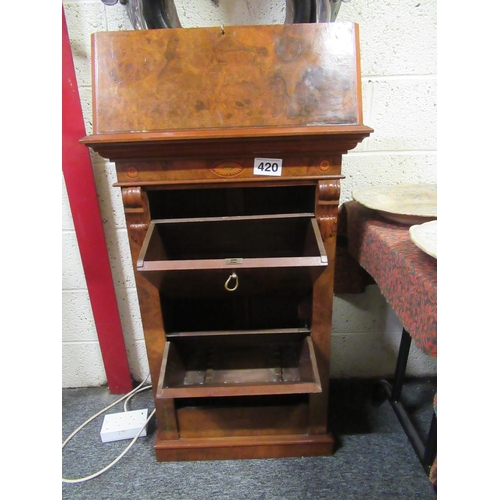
[(406, 276)]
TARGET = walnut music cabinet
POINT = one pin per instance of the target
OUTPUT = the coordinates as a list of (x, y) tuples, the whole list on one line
[(228, 145)]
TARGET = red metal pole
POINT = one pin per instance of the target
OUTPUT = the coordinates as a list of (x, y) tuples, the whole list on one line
[(80, 184)]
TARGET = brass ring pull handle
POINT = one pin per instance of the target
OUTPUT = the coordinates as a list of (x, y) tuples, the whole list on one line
[(226, 284)]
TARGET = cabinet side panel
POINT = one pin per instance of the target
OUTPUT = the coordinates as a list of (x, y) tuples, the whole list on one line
[(138, 218), (327, 199)]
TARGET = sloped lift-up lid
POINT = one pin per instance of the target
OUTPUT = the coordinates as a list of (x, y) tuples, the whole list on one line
[(279, 81)]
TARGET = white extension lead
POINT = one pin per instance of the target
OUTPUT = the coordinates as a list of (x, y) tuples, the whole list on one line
[(127, 397)]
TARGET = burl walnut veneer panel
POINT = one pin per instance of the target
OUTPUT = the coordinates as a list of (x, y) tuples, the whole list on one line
[(245, 76)]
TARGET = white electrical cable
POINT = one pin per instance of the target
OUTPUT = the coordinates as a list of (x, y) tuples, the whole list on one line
[(127, 397), (132, 395)]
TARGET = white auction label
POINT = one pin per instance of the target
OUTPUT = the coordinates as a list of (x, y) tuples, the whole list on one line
[(267, 166)]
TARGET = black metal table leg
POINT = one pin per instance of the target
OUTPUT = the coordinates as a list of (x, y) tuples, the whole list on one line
[(430, 450), (404, 351), (425, 453)]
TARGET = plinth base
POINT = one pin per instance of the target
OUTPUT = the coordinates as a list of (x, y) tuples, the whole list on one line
[(243, 447)]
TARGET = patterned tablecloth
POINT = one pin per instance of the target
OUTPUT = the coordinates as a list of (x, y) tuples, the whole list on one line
[(406, 276)]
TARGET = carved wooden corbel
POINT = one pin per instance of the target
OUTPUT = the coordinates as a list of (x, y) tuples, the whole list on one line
[(136, 206), (133, 200), (327, 204)]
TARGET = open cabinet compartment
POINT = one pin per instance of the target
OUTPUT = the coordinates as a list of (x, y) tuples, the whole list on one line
[(196, 257), (207, 201), (236, 312), (238, 366)]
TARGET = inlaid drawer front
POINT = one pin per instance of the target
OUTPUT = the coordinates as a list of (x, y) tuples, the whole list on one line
[(237, 366), (234, 256)]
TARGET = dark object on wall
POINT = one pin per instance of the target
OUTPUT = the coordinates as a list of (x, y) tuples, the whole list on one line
[(161, 14), (155, 14), (302, 11)]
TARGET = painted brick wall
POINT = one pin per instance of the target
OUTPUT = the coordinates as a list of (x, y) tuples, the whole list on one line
[(398, 58)]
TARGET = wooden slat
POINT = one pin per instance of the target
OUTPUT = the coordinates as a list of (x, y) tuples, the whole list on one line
[(280, 331)]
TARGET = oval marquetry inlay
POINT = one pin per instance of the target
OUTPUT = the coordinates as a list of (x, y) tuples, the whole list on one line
[(227, 169), (132, 172), (325, 165)]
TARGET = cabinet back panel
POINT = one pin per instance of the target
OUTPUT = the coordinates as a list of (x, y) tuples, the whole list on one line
[(236, 313), (220, 202), (223, 238)]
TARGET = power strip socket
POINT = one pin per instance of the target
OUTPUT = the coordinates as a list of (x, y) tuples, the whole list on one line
[(125, 425)]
